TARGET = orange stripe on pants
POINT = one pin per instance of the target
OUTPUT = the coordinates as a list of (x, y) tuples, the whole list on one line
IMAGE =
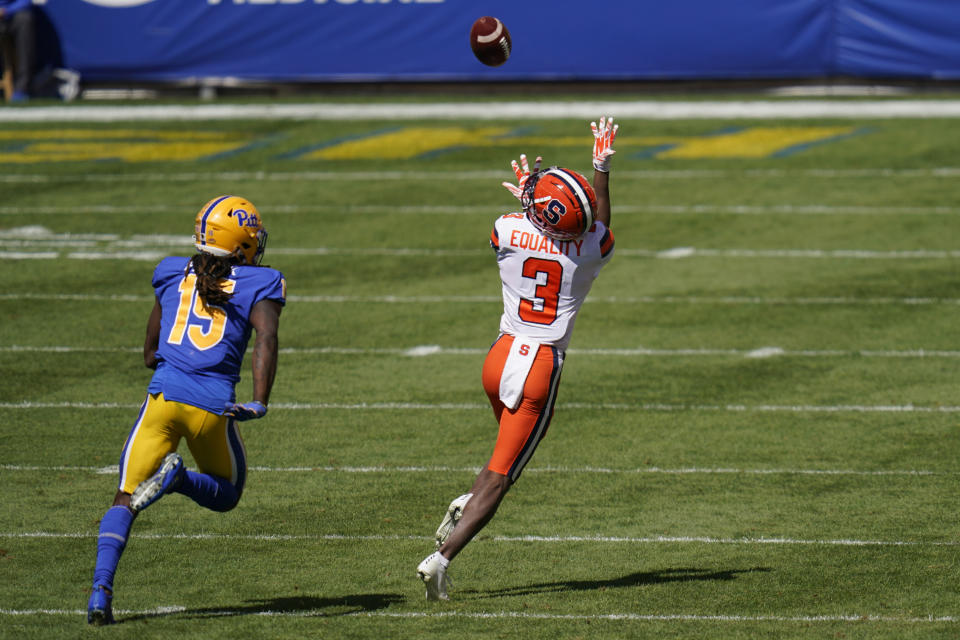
[(521, 429)]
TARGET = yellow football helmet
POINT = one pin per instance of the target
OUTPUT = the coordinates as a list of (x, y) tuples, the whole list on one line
[(230, 225)]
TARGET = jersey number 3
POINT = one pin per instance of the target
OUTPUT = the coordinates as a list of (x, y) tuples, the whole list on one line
[(542, 309), (213, 318)]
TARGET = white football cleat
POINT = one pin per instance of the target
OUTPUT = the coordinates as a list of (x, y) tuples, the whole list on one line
[(452, 517), (434, 576)]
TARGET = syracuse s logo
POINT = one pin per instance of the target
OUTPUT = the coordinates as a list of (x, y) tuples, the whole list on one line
[(554, 211), (117, 4)]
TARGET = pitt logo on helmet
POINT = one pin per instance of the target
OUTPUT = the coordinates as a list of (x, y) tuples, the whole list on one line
[(230, 226)]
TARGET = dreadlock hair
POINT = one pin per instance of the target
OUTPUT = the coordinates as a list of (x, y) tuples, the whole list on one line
[(210, 270)]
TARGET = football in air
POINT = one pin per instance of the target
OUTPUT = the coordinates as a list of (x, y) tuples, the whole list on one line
[(490, 41)]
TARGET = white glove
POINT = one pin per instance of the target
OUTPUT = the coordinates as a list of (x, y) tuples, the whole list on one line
[(523, 174), (603, 137)]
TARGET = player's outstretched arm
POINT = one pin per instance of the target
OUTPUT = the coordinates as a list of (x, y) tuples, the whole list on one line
[(603, 136), (265, 319)]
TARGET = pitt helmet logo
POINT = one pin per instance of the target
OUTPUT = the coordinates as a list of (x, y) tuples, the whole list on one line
[(554, 211), (246, 219)]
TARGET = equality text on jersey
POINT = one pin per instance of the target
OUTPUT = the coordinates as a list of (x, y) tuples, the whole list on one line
[(543, 244)]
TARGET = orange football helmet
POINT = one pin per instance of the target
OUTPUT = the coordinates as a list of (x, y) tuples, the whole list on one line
[(230, 225), (559, 202)]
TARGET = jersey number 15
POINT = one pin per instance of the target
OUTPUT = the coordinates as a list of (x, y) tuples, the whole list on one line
[(213, 318)]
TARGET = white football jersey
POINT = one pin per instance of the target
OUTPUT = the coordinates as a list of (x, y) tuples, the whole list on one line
[(545, 281)]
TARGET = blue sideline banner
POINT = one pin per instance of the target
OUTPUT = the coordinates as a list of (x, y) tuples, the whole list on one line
[(427, 40), (914, 38)]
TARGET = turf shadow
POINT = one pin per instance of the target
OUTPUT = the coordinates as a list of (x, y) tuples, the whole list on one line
[(639, 579), (300, 605)]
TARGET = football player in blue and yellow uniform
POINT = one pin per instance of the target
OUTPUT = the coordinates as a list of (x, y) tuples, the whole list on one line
[(205, 311)]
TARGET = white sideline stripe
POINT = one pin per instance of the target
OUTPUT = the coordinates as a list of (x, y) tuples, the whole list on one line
[(497, 208), (494, 615), (430, 350), (549, 539), (326, 299), (109, 470), (601, 406), (501, 110)]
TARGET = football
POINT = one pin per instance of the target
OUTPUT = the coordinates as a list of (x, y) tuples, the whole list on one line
[(490, 41)]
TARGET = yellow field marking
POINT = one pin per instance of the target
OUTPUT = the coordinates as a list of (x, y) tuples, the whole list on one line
[(133, 145), (127, 145), (409, 142), (100, 134), (755, 142), (127, 152)]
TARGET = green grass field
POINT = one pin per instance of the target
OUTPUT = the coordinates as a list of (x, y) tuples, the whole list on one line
[(755, 434)]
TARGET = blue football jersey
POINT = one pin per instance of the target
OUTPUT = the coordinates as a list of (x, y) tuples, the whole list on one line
[(201, 349)]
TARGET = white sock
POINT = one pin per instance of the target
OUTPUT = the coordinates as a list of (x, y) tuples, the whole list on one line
[(443, 560)]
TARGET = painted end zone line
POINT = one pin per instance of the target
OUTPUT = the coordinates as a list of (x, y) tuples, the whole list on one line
[(495, 615)]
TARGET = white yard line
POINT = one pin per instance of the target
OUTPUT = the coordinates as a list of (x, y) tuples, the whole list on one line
[(825, 173), (843, 254), (393, 299), (655, 617), (110, 470), (840, 542), (510, 615), (675, 253), (494, 209), (589, 406), (433, 350)]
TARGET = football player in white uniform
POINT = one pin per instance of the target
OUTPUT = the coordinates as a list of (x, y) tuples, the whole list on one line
[(549, 256)]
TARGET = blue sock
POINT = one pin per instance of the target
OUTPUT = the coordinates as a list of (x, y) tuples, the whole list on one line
[(209, 491), (114, 530)]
